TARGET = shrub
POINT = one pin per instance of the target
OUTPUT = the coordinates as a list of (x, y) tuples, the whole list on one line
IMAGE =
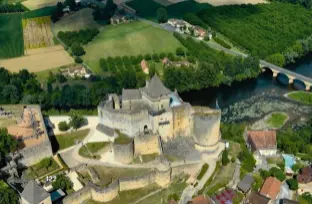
[(62, 182), (180, 51), (222, 43), (292, 183), (202, 171), (155, 57), (162, 55), (147, 57), (77, 49), (233, 159), (46, 163), (78, 60), (63, 126), (171, 56), (225, 157), (277, 173)]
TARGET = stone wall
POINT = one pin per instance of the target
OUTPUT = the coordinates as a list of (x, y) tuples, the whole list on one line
[(123, 152), (182, 120), (35, 154), (126, 184), (206, 126), (80, 196), (147, 144), (91, 191)]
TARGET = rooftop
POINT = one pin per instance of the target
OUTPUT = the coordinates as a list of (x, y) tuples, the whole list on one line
[(256, 198), (245, 184), (262, 139), (271, 187), (33, 193), (202, 199), (155, 88), (131, 94)]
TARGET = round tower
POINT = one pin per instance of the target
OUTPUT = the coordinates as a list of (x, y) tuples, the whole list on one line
[(206, 128)]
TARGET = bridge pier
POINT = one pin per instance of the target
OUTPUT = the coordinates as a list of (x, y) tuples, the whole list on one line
[(275, 73), (308, 86), (290, 79)]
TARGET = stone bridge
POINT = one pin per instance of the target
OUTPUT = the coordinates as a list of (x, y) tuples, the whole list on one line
[(290, 74)]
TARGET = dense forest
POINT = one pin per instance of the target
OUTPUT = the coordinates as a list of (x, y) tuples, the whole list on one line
[(214, 68), (262, 29)]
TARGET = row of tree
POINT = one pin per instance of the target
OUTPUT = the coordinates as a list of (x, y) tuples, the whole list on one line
[(11, 8), (214, 68), (104, 14)]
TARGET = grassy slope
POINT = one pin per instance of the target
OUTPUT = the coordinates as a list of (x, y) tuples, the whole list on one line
[(93, 147), (301, 96), (128, 39), (68, 139), (81, 19), (277, 120), (148, 8), (11, 36), (262, 29)]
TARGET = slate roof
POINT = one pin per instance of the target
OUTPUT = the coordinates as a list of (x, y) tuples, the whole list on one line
[(33, 193), (271, 188), (245, 184), (131, 94), (257, 198), (155, 88), (262, 139)]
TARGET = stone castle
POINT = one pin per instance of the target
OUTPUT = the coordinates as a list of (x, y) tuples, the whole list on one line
[(156, 109)]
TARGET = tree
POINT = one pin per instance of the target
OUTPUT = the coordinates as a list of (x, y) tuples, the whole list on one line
[(46, 163), (162, 15), (77, 49), (71, 3), (78, 60), (63, 126), (62, 182), (10, 94), (277, 173), (180, 51), (76, 120), (225, 157), (292, 183), (264, 174), (277, 59), (152, 70), (7, 194), (7, 144)]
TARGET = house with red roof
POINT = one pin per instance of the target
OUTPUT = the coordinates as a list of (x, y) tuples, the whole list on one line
[(271, 188), (144, 66), (262, 142), (305, 175)]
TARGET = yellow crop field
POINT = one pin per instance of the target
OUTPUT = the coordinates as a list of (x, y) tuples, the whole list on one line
[(37, 4), (37, 32)]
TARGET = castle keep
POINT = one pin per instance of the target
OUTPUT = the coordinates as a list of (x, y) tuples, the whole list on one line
[(156, 109)]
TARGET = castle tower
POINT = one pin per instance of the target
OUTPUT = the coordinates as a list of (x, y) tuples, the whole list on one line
[(206, 128)]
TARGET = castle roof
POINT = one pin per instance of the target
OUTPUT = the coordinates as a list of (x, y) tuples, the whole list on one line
[(34, 193), (155, 88), (130, 94)]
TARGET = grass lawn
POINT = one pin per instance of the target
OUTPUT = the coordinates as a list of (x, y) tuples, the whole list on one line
[(93, 148), (81, 19), (274, 160), (69, 139), (276, 120), (133, 38), (108, 174), (148, 8), (301, 96), (11, 36), (38, 170), (42, 76)]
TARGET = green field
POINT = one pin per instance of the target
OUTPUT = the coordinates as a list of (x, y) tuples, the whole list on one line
[(148, 8), (301, 96), (81, 19), (11, 36), (263, 29), (276, 120), (128, 39), (93, 148), (68, 139), (39, 170), (47, 11)]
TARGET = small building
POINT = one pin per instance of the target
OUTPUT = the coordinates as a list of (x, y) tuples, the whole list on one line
[(271, 188), (77, 71), (202, 199), (34, 194), (287, 201), (225, 196), (305, 175), (257, 198), (200, 32), (262, 142), (245, 184), (117, 19), (144, 66), (167, 62)]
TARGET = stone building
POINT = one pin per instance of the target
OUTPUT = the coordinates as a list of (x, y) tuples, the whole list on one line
[(34, 194), (156, 109), (262, 142)]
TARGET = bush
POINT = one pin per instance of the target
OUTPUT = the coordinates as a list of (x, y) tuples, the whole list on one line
[(277, 173), (62, 182), (292, 183), (76, 120), (46, 163), (155, 57), (147, 57), (78, 60), (202, 171), (180, 51), (206, 38), (77, 49), (222, 43), (225, 157), (233, 159), (63, 126)]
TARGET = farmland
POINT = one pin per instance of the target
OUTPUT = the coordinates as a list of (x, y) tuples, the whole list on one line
[(81, 19), (230, 2), (128, 39), (38, 4), (39, 60), (11, 37), (148, 8), (262, 29), (37, 32)]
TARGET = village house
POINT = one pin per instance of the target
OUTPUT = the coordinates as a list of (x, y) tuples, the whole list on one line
[(34, 194), (245, 184), (77, 71), (256, 198), (167, 62), (305, 175), (202, 199), (262, 142), (144, 66), (271, 188), (117, 19)]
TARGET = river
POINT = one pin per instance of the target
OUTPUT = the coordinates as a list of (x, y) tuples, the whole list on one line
[(254, 95)]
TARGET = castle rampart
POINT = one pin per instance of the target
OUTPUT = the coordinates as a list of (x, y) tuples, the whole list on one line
[(123, 152)]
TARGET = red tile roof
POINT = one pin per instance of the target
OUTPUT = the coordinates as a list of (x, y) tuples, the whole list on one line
[(271, 188), (201, 200), (262, 139), (144, 66), (305, 175)]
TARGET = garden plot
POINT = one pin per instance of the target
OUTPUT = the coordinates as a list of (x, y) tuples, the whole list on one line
[(37, 33)]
